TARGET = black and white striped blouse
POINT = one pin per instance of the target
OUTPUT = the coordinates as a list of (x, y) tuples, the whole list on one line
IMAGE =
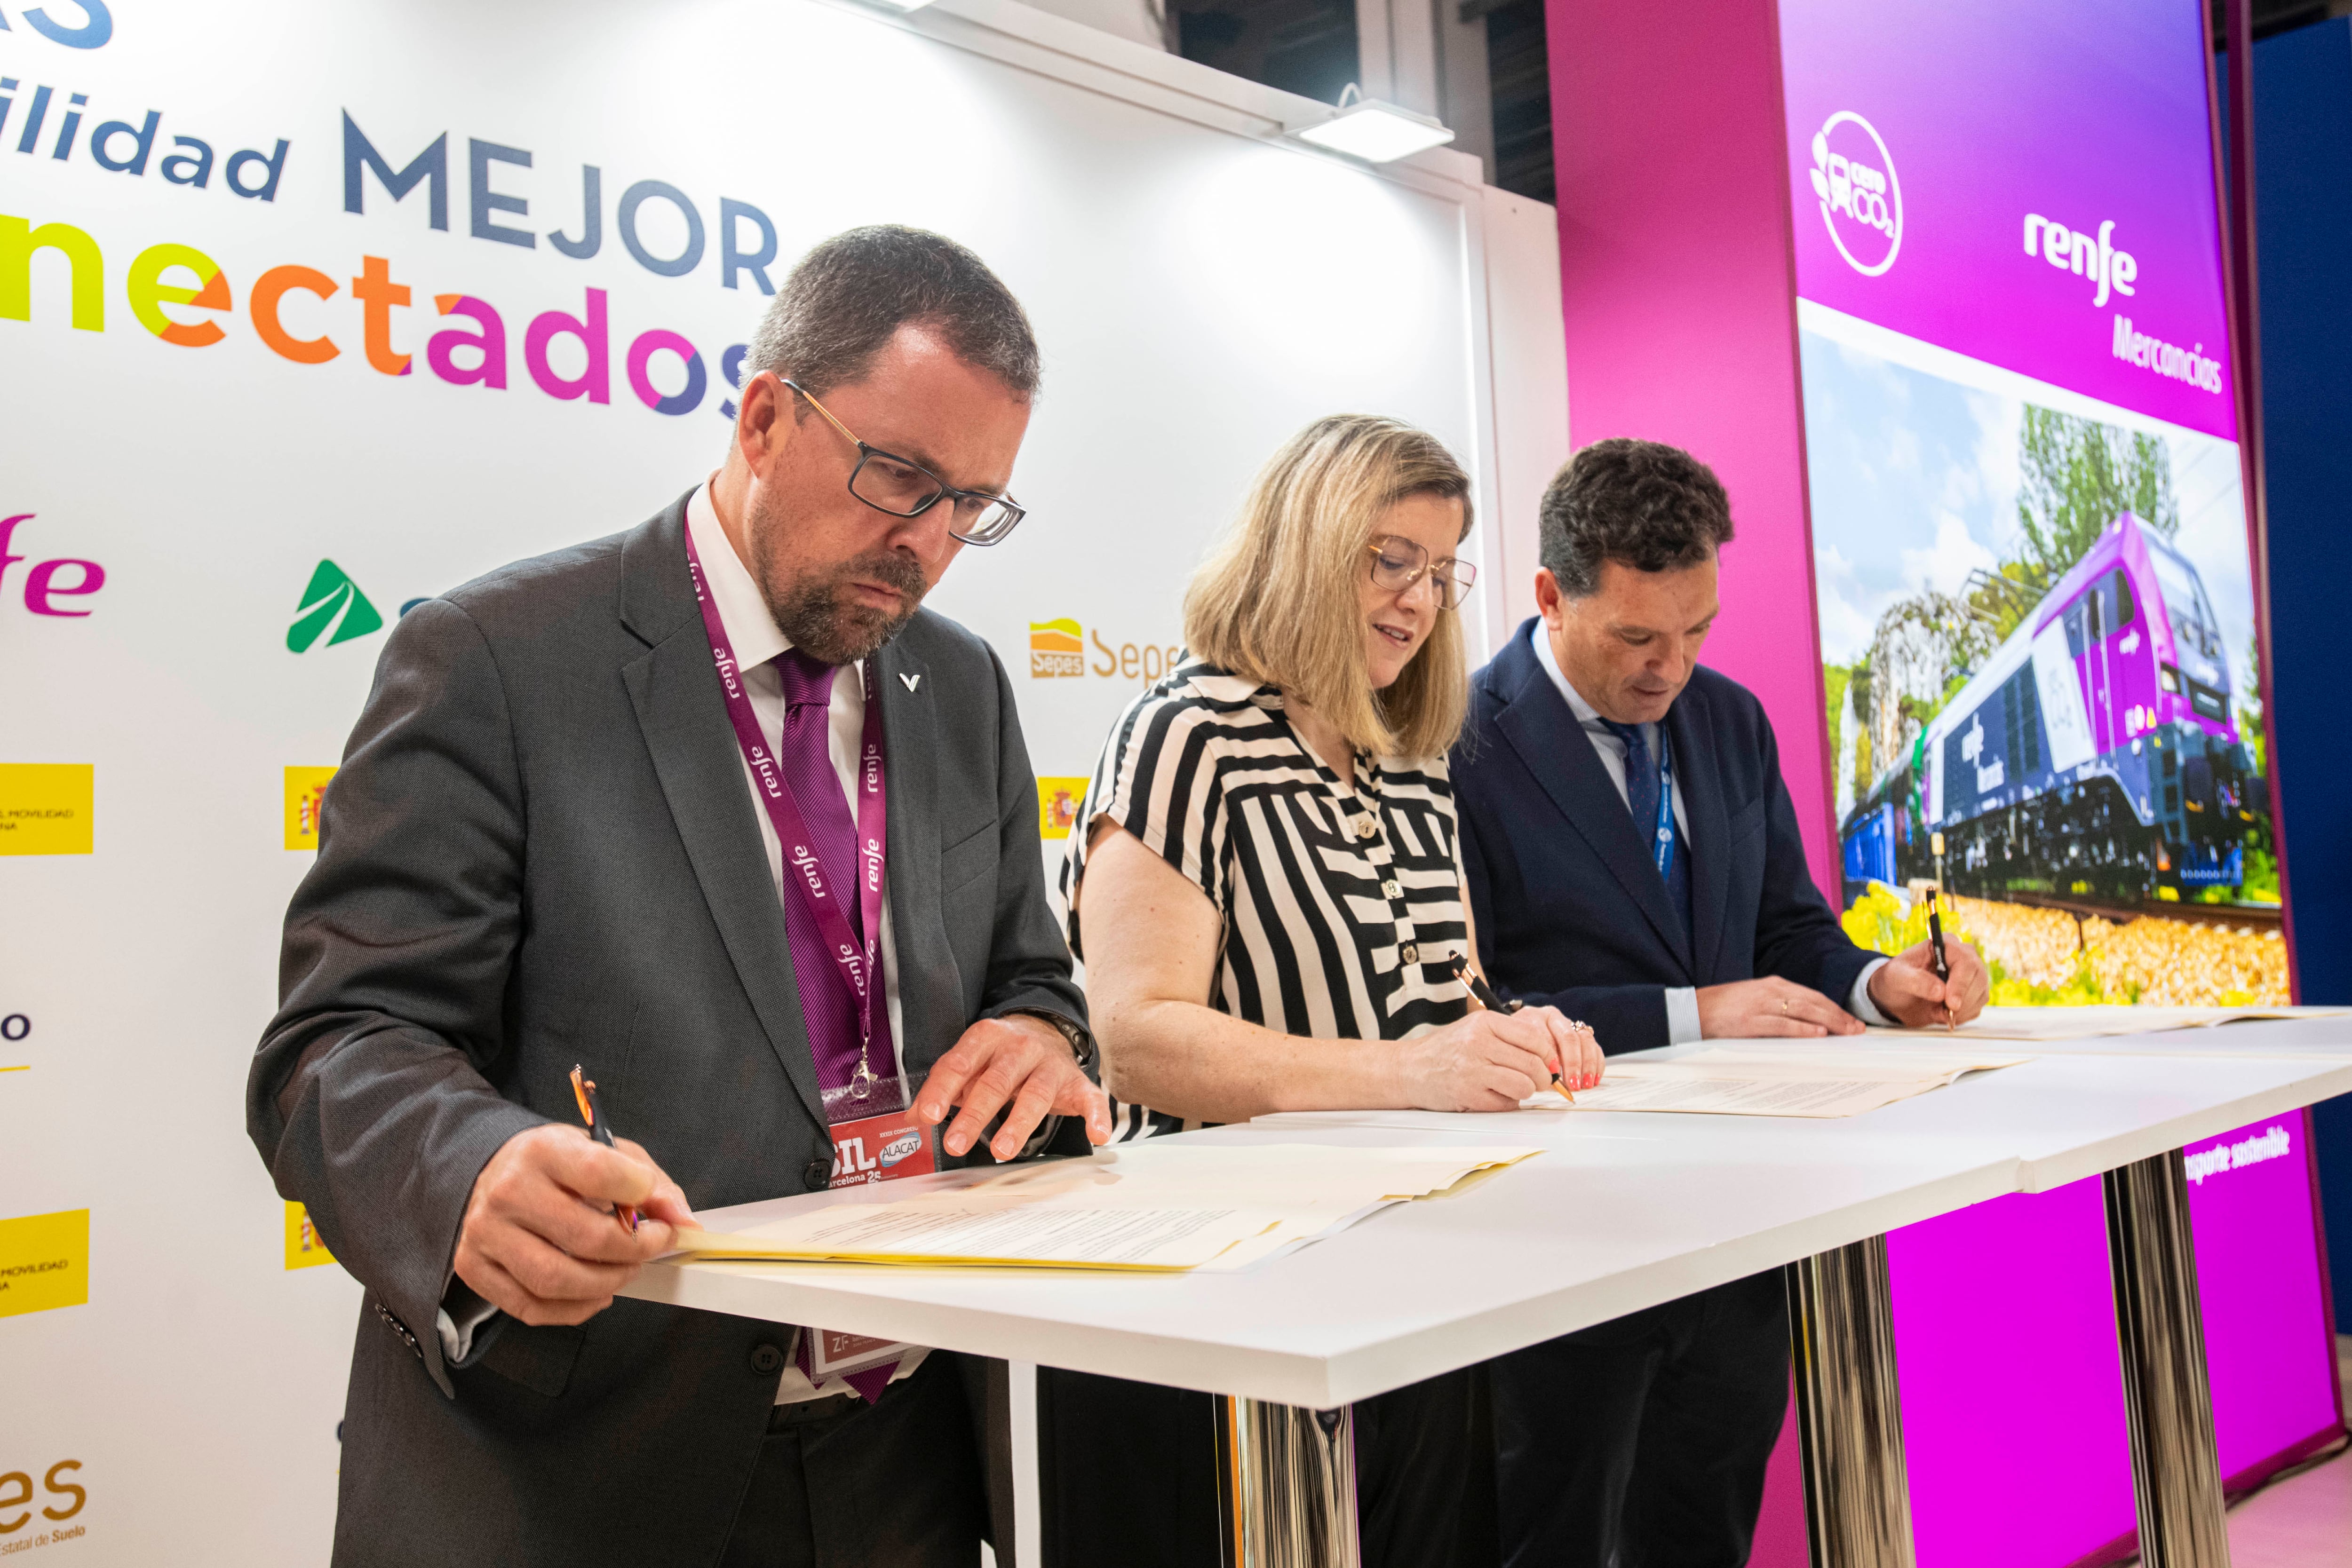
[(1340, 909)]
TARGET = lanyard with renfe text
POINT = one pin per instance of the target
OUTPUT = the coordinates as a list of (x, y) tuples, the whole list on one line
[(1665, 844), (858, 962)]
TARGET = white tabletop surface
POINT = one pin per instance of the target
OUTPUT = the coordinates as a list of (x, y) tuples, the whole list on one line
[(1621, 1211)]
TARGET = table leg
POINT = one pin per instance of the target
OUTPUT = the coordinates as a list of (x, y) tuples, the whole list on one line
[(2160, 1329), (1290, 1485), (1849, 1409)]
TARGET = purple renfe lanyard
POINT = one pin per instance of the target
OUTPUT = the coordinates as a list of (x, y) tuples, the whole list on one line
[(859, 965)]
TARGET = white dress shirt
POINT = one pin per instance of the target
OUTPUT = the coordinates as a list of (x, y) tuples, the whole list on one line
[(1682, 1001), (752, 633)]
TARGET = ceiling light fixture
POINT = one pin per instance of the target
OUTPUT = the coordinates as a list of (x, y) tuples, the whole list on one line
[(1369, 129)]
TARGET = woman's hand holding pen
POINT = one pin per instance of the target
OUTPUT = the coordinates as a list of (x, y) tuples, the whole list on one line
[(539, 1240), (1491, 1061)]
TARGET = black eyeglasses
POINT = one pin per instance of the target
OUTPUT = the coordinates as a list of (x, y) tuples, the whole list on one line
[(1399, 563), (904, 488)]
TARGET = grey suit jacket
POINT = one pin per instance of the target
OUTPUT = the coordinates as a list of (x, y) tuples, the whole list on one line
[(540, 850)]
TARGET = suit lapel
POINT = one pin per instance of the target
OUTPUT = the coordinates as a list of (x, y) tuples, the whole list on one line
[(1688, 727), (1539, 726), (929, 982), (674, 689)]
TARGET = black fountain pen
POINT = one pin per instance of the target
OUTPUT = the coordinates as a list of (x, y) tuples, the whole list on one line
[(1943, 963), (1486, 998)]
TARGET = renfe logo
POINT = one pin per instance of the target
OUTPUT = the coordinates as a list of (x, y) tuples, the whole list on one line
[(48, 590), (1862, 200), (2071, 250)]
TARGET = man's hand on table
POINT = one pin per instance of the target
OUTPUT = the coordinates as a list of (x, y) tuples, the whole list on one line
[(1016, 1060), (1905, 988), (539, 1240), (1772, 1007)]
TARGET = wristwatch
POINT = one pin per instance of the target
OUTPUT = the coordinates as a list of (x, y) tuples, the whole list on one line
[(1082, 1044)]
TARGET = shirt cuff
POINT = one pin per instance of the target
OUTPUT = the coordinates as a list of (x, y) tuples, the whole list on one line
[(461, 1313), (1682, 1015), (1860, 1005)]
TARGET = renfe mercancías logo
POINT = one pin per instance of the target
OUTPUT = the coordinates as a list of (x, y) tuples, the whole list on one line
[(1862, 200)]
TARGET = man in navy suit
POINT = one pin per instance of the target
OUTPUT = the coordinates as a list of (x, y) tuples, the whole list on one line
[(1633, 859)]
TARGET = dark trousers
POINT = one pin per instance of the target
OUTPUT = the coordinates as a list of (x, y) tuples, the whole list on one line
[(895, 1484), (1129, 1474), (1641, 1443)]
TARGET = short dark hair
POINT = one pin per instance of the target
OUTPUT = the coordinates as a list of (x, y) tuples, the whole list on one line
[(1649, 506), (849, 296)]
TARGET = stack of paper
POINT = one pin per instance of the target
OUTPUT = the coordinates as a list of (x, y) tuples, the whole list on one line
[(1157, 1206), (1792, 1081)]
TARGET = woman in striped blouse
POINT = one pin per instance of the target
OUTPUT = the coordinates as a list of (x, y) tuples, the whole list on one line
[(1266, 892)]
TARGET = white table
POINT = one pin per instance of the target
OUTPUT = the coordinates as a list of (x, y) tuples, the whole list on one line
[(1621, 1212)]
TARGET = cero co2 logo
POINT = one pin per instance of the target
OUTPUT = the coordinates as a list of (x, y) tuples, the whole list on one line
[(1862, 201)]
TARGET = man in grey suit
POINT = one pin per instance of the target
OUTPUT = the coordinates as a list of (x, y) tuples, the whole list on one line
[(556, 837)]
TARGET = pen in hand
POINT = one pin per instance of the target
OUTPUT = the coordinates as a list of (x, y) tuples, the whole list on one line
[(1943, 963), (583, 1090), (1484, 994)]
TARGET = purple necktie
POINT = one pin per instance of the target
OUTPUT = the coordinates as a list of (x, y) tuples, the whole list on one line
[(828, 1007)]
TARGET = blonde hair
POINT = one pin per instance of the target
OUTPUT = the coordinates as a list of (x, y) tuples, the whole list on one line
[(1275, 602)]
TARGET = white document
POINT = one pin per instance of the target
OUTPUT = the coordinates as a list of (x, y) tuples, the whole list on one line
[(1153, 1207), (2090, 1022), (1730, 1080)]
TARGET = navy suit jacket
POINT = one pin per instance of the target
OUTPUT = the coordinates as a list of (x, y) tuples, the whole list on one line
[(1570, 908)]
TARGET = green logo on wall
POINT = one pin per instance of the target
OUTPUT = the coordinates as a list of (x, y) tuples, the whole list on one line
[(332, 598)]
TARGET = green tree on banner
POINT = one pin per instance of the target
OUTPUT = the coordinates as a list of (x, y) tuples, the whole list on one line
[(2076, 474)]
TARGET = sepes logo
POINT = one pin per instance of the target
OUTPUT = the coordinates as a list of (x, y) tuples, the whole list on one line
[(17, 1500), (1056, 648), (89, 31), (1862, 201), (332, 600)]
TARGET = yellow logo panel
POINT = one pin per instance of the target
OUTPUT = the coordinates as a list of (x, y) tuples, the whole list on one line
[(1058, 806), (46, 808), (304, 1248), (306, 791), (44, 1261), (1055, 649)]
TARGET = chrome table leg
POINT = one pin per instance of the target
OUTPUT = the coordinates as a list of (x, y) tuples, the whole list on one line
[(1290, 1485), (2160, 1330), (1849, 1409)]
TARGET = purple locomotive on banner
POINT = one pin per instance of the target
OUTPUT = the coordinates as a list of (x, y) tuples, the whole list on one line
[(2094, 754)]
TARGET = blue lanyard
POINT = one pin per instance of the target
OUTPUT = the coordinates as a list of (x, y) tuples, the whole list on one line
[(1665, 840)]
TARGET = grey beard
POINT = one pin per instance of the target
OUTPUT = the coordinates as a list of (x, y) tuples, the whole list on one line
[(814, 614)]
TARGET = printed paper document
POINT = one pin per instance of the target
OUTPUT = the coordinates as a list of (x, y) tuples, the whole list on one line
[(1727, 1081), (1158, 1205), (2089, 1023)]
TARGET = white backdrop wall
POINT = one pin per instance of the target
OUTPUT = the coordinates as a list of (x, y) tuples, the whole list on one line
[(171, 1368)]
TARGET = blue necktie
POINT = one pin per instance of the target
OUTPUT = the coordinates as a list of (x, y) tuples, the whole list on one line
[(1642, 800)]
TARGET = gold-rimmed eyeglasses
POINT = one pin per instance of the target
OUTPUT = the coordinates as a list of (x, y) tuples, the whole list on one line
[(904, 488), (1398, 563)]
